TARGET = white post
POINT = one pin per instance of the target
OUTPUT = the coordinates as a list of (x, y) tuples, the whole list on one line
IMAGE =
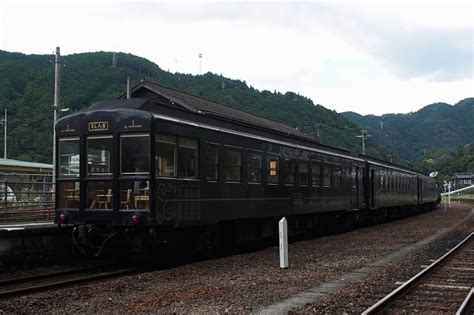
[(445, 197), (283, 232), (449, 194)]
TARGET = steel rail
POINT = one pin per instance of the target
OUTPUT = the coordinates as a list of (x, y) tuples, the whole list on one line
[(49, 275), (408, 284), (66, 283), (467, 304)]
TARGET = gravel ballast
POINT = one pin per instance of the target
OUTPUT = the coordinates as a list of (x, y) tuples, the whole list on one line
[(248, 282)]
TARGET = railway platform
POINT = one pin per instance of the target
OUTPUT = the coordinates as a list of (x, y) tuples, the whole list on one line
[(29, 243)]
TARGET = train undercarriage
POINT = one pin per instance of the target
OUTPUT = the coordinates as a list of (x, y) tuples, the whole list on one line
[(229, 236)]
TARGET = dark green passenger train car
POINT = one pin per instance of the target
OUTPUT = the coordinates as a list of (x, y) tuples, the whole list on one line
[(165, 163)]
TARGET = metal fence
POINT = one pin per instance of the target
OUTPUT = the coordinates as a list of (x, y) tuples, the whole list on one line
[(26, 201)]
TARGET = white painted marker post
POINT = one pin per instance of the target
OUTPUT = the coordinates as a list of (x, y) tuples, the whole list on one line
[(283, 229)]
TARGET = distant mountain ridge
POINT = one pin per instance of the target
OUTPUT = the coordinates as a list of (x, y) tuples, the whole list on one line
[(435, 126), (27, 81)]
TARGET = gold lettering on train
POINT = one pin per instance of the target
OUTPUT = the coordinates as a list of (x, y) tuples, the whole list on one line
[(68, 129), (99, 126), (133, 125)]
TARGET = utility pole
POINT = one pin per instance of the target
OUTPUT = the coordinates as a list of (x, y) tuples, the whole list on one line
[(200, 63), (55, 111), (128, 87), (364, 136)]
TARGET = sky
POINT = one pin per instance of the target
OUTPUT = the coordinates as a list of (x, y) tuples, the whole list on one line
[(366, 56)]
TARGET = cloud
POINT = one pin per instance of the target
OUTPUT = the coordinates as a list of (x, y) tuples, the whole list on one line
[(430, 43)]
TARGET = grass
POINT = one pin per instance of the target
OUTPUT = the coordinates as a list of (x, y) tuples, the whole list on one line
[(462, 197)]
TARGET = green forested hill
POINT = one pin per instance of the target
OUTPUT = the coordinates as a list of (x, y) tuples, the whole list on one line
[(449, 162), (412, 136), (27, 84)]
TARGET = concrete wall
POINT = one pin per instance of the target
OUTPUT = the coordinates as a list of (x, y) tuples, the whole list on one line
[(34, 246)]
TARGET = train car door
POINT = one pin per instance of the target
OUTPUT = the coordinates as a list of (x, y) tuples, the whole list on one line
[(372, 188), (355, 187), (418, 190)]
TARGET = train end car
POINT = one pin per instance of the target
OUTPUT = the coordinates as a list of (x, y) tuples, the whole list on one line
[(166, 165)]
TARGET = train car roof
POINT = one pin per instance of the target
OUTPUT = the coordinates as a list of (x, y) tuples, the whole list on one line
[(131, 103), (202, 105), (383, 163)]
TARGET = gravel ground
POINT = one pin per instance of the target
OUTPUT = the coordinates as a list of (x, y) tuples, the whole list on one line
[(247, 282), (360, 295)]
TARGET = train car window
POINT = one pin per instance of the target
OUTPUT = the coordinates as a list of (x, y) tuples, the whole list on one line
[(166, 152), (354, 173), (316, 174), (382, 182), (337, 177), (289, 172), (99, 150), (99, 195), (135, 154), (272, 176), (327, 172), (69, 157), (273, 148), (68, 194), (232, 165), (303, 171), (187, 158), (212, 159), (254, 167), (135, 194)]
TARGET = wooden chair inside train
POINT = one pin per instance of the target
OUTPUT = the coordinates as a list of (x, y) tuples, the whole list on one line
[(142, 199), (71, 196), (126, 199), (104, 200)]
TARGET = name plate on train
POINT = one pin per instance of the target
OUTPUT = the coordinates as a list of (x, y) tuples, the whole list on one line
[(99, 126)]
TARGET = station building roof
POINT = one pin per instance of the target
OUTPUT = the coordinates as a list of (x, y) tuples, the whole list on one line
[(464, 176), (16, 166)]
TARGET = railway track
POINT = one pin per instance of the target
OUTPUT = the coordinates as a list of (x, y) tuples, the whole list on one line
[(54, 280), (444, 286)]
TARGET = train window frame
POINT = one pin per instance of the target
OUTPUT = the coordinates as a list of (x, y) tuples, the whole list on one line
[(258, 169), (273, 169), (100, 194), (180, 155), (307, 173), (65, 139), (175, 155), (209, 164), (319, 164), (337, 171), (228, 166), (134, 135), (110, 161), (327, 175), (288, 171), (69, 193)]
